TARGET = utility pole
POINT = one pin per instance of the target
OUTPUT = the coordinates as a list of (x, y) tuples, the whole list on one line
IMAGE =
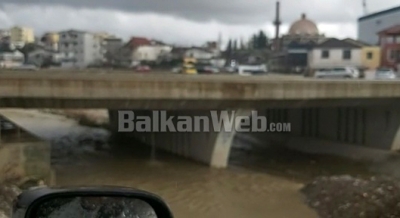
[(365, 9), (277, 24)]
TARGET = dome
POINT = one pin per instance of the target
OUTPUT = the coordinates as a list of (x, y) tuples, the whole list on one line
[(303, 26)]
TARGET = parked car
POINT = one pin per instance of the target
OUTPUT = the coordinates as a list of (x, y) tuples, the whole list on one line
[(208, 69), (385, 73), (337, 72), (176, 69), (143, 68), (253, 69)]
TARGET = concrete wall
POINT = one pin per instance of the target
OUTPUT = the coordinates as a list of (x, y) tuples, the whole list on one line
[(327, 129), (212, 148), (115, 91)]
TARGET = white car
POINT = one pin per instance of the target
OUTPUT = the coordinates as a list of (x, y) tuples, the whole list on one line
[(338, 72), (384, 73), (176, 69)]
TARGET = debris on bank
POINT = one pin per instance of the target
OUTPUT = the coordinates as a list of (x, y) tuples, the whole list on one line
[(75, 147), (90, 118), (9, 191), (349, 197)]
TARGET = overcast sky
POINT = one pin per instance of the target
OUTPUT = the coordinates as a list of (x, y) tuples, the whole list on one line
[(184, 21)]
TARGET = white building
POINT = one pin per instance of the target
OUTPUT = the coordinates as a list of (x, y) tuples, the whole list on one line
[(41, 56), (200, 53), (335, 53), (10, 57), (150, 53), (80, 49), (370, 24)]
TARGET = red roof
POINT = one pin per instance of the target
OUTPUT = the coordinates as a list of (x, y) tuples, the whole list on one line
[(391, 30), (139, 41)]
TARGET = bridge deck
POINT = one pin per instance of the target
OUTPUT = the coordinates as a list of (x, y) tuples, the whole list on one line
[(166, 90)]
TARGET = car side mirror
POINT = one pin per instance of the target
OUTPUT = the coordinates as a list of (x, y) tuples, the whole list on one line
[(85, 202)]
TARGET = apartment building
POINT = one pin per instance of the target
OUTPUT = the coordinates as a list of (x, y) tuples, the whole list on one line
[(51, 41), (21, 35), (80, 49)]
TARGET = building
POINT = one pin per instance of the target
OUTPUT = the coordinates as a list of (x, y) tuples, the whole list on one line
[(150, 53), (370, 24), (111, 47), (292, 49), (297, 52), (43, 57), (390, 46), (10, 56), (21, 35), (80, 49), (4, 34), (50, 41), (200, 53), (335, 53), (370, 54), (135, 42), (303, 30)]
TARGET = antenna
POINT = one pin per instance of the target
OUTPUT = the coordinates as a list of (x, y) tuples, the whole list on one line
[(364, 4)]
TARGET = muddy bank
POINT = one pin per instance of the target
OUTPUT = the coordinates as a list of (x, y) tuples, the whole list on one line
[(89, 117), (77, 147), (10, 189), (350, 197)]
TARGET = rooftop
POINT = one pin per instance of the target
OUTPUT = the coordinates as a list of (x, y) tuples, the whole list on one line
[(380, 13), (337, 43), (391, 30), (357, 42)]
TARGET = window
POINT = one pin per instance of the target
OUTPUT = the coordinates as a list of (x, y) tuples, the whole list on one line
[(370, 55), (397, 39), (389, 39), (325, 54), (346, 54), (391, 54)]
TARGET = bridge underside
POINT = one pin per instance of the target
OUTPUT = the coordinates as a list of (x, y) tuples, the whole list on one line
[(332, 127), (173, 104)]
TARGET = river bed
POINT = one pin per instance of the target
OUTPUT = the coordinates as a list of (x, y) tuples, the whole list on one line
[(260, 182)]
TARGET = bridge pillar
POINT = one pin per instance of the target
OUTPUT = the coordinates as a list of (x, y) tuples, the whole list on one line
[(210, 146)]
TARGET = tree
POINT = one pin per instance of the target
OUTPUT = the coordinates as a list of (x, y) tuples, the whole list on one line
[(229, 46), (259, 40), (254, 40), (28, 48), (262, 40), (228, 50), (235, 46), (242, 45)]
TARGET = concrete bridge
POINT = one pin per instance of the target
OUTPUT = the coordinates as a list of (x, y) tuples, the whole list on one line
[(323, 112)]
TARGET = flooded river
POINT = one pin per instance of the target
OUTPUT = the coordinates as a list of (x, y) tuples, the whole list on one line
[(260, 182)]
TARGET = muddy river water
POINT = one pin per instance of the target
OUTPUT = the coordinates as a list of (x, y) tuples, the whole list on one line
[(259, 183)]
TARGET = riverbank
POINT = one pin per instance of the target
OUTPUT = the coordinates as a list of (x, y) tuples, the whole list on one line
[(258, 183), (97, 118)]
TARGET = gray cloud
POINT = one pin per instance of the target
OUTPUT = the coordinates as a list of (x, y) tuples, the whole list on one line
[(227, 11)]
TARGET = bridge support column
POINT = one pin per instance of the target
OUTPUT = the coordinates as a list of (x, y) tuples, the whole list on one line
[(207, 145)]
